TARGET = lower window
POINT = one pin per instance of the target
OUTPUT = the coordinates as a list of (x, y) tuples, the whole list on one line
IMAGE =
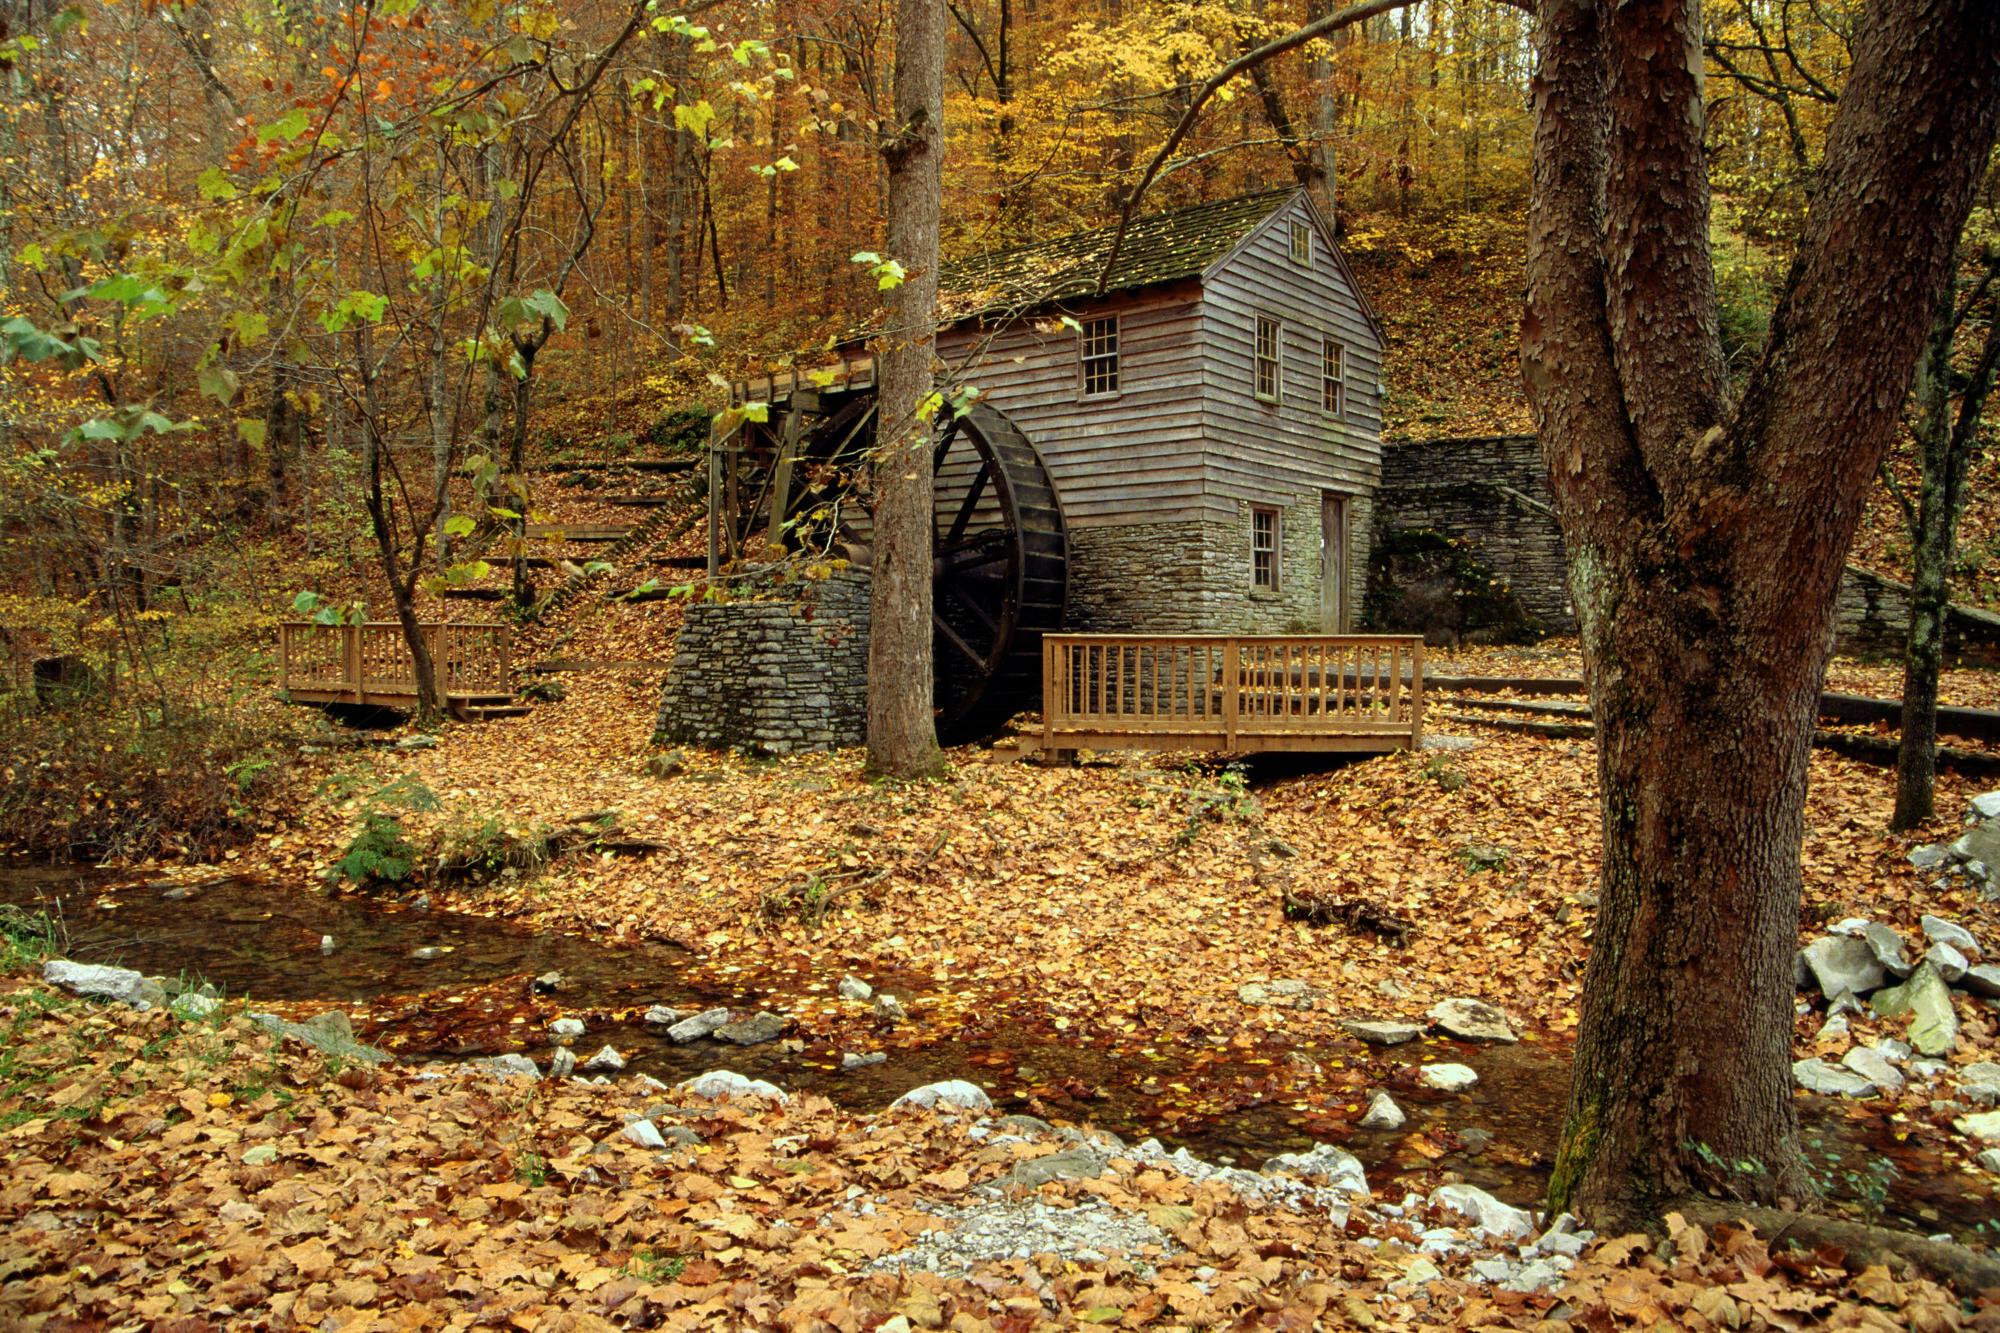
[(1266, 539)]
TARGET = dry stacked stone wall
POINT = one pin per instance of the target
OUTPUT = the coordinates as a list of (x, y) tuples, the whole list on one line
[(778, 675), (1466, 545)]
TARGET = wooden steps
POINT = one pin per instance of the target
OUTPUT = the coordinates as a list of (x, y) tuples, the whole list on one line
[(636, 501), (614, 464), (487, 712), (579, 532), (474, 594)]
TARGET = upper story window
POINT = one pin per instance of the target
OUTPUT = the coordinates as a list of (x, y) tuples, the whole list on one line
[(1302, 244), (1269, 359), (1099, 347), (1333, 377), (1267, 529)]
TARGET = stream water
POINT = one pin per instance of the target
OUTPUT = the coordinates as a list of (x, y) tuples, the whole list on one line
[(440, 984)]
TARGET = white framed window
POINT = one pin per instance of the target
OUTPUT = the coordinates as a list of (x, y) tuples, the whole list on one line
[(1269, 360), (1302, 244), (1333, 377), (1267, 539), (1098, 349)]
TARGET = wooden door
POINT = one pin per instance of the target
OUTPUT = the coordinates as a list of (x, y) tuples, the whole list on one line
[(1333, 555)]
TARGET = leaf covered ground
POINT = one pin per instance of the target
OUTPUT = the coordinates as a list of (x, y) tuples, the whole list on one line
[(192, 1174)]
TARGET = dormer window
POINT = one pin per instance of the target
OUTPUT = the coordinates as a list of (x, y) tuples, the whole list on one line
[(1099, 349), (1302, 244)]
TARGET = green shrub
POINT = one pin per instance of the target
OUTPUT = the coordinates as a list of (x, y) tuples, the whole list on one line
[(382, 852), (27, 937)]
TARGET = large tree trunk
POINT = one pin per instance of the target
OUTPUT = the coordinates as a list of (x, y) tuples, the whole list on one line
[(1706, 541), (902, 730)]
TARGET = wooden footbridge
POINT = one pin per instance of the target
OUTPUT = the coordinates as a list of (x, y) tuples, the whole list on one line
[(370, 664), (1233, 694)]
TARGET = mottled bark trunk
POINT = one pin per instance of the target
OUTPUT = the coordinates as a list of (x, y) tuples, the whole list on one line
[(902, 729), (1706, 541), (1946, 444)]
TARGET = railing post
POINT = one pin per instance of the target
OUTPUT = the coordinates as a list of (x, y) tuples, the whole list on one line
[(1050, 647), (1417, 695), (1232, 687), (351, 654)]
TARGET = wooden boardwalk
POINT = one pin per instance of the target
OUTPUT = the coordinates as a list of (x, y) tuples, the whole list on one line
[(1232, 694), (371, 664)]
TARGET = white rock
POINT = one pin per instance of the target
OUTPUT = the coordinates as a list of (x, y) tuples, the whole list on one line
[(1564, 1237), (1421, 1270), (1339, 1169), (696, 1027), (1844, 963), (718, 1084), (566, 1030), (1472, 1020), (1982, 979), (951, 1094), (1983, 807), (1888, 946), (105, 983), (563, 1063), (1448, 1078), (662, 1016), (1950, 963), (854, 988), (606, 1061), (1990, 1159), (326, 944), (1940, 931), (1833, 1029), (644, 1133), (1383, 1113), (1929, 856), (1496, 1220), (508, 1066), (890, 1008), (1985, 1125), (1818, 1076), (193, 1004), (1875, 1067), (1382, 1032), (1443, 1242)]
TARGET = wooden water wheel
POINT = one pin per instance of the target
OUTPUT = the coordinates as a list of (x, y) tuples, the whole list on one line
[(1000, 552)]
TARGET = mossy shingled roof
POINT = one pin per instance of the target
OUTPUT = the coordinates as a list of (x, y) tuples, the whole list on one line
[(1160, 247)]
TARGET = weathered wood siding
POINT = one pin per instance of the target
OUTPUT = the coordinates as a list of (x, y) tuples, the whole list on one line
[(1275, 454), (1135, 457)]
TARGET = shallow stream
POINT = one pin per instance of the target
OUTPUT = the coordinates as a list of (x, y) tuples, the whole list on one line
[(436, 984)]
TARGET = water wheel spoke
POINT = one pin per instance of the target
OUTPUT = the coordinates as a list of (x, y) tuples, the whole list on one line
[(970, 503), (958, 594), (978, 541), (952, 636), (944, 444)]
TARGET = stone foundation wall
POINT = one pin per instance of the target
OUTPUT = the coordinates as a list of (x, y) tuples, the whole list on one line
[(778, 675), (1195, 577), (1490, 497)]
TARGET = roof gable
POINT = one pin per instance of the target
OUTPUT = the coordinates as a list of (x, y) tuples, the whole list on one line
[(1178, 244), (1317, 217)]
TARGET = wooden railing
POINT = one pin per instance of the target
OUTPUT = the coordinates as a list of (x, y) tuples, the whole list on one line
[(371, 663), (1229, 692)]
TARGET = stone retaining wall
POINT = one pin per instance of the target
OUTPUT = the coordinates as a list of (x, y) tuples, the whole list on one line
[(1488, 497), (780, 675)]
